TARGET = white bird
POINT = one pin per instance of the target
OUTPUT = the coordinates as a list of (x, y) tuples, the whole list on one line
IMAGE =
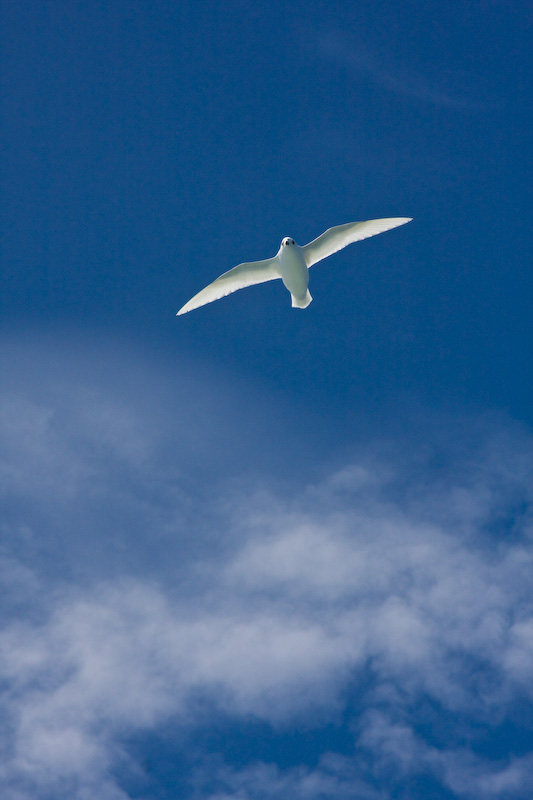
[(291, 263)]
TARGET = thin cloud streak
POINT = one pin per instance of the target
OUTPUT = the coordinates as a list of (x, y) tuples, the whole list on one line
[(359, 58)]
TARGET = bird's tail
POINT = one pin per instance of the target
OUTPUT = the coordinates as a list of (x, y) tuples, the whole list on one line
[(301, 302)]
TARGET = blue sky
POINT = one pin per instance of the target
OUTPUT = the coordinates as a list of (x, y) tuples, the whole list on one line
[(256, 552)]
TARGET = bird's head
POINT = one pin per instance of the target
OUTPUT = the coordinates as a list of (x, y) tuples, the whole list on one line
[(287, 242)]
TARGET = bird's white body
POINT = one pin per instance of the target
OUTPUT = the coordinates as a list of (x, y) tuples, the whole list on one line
[(294, 272), (291, 263)]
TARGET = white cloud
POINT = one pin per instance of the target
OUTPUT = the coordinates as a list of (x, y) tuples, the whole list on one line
[(395, 746), (366, 594), (334, 776)]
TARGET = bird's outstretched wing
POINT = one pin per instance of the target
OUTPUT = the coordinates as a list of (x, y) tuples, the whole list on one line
[(239, 277), (341, 235)]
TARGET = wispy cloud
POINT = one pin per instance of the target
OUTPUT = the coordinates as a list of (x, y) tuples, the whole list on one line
[(354, 54), (391, 599)]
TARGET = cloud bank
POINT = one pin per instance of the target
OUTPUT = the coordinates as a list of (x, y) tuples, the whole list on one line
[(364, 634)]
